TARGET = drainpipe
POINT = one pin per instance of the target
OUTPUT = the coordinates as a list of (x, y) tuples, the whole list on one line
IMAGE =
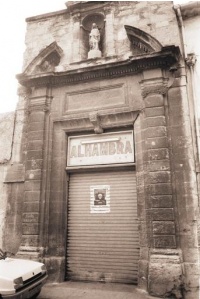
[(190, 60), (177, 9)]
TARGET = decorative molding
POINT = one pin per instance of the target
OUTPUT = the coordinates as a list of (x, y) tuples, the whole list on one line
[(121, 117), (191, 60), (46, 60), (39, 103), (142, 41), (88, 20), (154, 86), (95, 98), (95, 120), (85, 6), (163, 59)]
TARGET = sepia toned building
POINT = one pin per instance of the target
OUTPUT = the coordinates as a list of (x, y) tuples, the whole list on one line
[(102, 184)]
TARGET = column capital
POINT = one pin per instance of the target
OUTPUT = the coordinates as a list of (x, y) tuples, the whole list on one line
[(39, 103)]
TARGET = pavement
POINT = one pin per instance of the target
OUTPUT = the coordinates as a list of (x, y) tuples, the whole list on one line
[(86, 290)]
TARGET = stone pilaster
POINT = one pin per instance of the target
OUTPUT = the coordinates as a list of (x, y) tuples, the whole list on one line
[(110, 39), (38, 105), (158, 187), (157, 213), (185, 181)]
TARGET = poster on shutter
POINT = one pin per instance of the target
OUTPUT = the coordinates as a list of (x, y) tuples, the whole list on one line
[(100, 199)]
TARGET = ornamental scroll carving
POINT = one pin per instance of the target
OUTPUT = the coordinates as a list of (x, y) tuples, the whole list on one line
[(154, 86)]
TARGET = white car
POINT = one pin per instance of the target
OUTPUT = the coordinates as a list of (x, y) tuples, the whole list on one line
[(20, 279)]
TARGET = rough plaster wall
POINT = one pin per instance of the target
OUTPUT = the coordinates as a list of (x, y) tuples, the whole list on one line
[(6, 137), (156, 18), (41, 34), (6, 133), (3, 202), (12, 183)]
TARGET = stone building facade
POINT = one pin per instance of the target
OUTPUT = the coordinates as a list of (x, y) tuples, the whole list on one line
[(105, 108)]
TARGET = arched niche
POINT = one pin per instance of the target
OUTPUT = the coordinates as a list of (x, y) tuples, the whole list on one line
[(86, 26)]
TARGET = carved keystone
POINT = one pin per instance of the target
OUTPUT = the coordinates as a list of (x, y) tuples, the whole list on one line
[(95, 120)]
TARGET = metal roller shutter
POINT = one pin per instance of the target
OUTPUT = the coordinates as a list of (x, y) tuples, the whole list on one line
[(103, 246)]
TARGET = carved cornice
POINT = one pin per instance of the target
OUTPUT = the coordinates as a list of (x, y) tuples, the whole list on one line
[(135, 64), (98, 121), (154, 86), (84, 6)]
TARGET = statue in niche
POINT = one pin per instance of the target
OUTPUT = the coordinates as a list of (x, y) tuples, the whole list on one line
[(94, 39)]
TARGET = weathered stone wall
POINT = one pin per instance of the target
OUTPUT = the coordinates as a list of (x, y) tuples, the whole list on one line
[(3, 202), (12, 176), (6, 132), (6, 139), (156, 18)]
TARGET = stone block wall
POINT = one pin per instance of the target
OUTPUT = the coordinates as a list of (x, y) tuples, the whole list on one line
[(12, 176)]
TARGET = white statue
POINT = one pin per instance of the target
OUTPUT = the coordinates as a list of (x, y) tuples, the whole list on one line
[(94, 37)]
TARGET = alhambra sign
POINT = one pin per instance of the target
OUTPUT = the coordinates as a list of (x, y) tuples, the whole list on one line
[(111, 148)]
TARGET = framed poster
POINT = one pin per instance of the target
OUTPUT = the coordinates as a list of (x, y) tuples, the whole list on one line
[(100, 199)]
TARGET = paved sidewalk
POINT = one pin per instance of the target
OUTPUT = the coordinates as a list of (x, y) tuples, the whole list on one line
[(84, 290)]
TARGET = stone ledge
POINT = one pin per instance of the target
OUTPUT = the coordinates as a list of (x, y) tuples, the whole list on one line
[(15, 174)]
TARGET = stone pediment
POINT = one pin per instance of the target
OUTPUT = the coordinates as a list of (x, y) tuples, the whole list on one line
[(46, 61), (142, 42)]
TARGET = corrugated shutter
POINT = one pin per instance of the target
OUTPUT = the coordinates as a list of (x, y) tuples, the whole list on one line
[(103, 246)]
